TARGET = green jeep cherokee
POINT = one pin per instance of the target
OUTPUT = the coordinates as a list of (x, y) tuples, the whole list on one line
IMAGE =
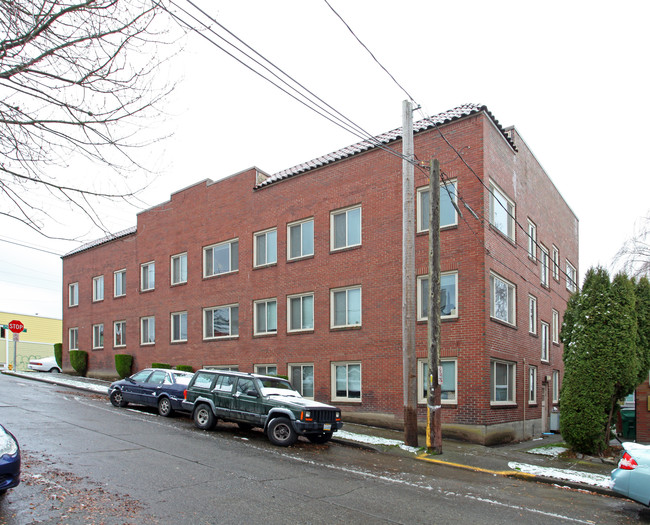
[(252, 400)]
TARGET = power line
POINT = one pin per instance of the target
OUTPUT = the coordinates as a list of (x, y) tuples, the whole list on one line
[(30, 247)]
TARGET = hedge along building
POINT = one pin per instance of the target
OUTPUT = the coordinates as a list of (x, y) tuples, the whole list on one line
[(299, 274)]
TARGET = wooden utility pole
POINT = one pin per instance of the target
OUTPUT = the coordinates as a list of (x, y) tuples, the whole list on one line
[(434, 415), (408, 279)]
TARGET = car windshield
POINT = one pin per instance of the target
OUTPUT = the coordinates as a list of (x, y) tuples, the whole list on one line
[(281, 387), (182, 378)]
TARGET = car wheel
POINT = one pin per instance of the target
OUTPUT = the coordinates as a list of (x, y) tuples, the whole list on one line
[(165, 407), (281, 432), (320, 438), (54, 370), (204, 418), (117, 399)]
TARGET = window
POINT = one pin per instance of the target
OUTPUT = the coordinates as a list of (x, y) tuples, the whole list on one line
[(346, 307), (449, 380), (221, 258), (571, 277), (556, 263), (98, 288), (73, 339), (502, 382), (179, 268), (300, 312), (119, 333), (545, 347), (556, 386), (532, 239), (502, 212), (221, 321), (266, 370), (98, 336), (179, 327), (119, 283), (555, 327), (302, 379), (346, 381), (448, 215), (346, 228), (532, 385), (73, 294), (147, 330), (265, 248), (147, 276), (544, 265), (265, 315), (448, 296), (300, 237), (532, 314), (502, 298)]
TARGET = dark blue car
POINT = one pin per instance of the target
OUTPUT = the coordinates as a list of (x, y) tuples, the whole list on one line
[(156, 387), (9, 460)]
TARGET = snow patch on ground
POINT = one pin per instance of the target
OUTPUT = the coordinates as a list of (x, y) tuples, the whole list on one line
[(374, 440), (548, 451), (595, 480)]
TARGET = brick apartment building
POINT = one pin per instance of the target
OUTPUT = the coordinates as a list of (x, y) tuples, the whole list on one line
[(299, 274)]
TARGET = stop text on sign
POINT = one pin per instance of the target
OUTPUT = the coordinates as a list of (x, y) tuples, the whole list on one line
[(16, 326)]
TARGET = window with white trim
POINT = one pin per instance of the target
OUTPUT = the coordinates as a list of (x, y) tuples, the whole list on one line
[(147, 330), (73, 339), (73, 294), (119, 283), (545, 343), (448, 214), (147, 276), (119, 333), (265, 248), (556, 386), (98, 336), (532, 385), (178, 327), (449, 380), (221, 321), (502, 212), (532, 314), (300, 239), (555, 264), (502, 299), (571, 277), (300, 312), (346, 307), (544, 266), (98, 288), (502, 382), (266, 370), (301, 376), (346, 381), (555, 326), (448, 296), (532, 240), (221, 258), (345, 228), (179, 268), (265, 316)]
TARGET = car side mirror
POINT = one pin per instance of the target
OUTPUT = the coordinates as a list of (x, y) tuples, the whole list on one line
[(252, 392)]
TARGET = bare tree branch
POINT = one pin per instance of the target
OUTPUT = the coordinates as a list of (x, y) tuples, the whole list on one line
[(78, 78), (634, 256)]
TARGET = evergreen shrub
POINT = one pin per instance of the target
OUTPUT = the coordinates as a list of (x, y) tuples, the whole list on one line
[(79, 361), (123, 364)]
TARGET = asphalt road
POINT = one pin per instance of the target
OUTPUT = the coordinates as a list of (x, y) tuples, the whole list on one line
[(85, 461)]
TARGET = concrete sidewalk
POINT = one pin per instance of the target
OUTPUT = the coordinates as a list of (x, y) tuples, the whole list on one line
[(536, 460)]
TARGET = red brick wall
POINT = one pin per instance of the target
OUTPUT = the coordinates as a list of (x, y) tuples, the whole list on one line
[(643, 413), (208, 213)]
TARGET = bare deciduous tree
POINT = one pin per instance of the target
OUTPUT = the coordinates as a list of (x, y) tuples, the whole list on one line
[(77, 77), (634, 256)]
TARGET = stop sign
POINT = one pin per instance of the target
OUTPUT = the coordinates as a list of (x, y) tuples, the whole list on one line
[(16, 327)]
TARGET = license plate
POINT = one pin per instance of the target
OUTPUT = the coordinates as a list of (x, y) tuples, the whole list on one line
[(327, 426)]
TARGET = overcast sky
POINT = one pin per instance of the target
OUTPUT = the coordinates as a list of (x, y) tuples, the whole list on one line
[(570, 76)]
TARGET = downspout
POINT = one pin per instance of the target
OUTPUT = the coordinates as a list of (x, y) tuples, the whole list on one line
[(523, 424)]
